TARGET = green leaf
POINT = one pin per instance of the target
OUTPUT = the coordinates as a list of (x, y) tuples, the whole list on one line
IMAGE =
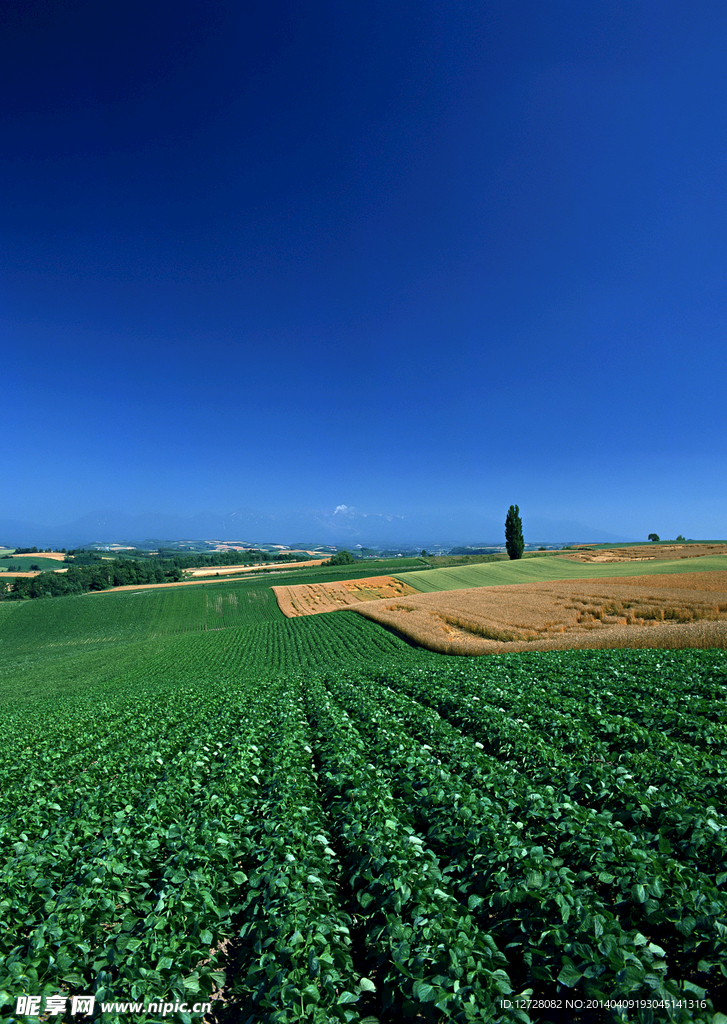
[(74, 979), (424, 992), (569, 975), (638, 892), (366, 985), (311, 994)]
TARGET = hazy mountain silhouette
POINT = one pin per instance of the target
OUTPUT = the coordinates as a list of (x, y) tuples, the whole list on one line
[(342, 525)]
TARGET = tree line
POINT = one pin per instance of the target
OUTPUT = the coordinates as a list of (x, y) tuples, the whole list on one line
[(251, 557), (103, 573), (182, 560), (80, 579)]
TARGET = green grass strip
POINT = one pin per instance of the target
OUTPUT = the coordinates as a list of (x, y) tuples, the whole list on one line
[(541, 570)]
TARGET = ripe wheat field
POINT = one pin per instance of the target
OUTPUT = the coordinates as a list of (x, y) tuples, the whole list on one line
[(688, 610)]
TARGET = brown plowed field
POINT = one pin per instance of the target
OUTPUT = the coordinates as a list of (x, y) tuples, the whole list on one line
[(57, 555), (643, 553), (315, 598), (655, 611)]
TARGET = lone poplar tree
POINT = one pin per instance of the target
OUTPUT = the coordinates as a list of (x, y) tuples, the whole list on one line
[(514, 533)]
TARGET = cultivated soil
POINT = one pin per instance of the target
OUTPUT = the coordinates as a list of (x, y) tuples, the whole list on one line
[(315, 598), (642, 553), (656, 611), (57, 555)]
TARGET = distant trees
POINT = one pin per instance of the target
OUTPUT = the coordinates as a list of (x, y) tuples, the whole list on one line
[(514, 541), (472, 551), (341, 558), (99, 575), (654, 536)]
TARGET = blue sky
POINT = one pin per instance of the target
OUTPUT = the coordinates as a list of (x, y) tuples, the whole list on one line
[(426, 259)]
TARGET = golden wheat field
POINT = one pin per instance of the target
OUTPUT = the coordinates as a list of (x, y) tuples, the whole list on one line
[(58, 556), (315, 598), (659, 611)]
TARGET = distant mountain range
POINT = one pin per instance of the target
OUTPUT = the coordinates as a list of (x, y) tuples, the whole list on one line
[(343, 525)]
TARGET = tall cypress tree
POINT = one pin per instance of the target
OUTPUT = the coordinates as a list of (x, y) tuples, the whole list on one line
[(514, 533)]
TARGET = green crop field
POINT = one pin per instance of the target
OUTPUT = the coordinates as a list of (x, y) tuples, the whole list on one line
[(540, 570), (101, 617), (284, 576), (16, 563), (311, 820), (45, 645)]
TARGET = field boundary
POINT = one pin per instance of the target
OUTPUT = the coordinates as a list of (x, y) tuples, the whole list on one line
[(547, 570), (662, 610)]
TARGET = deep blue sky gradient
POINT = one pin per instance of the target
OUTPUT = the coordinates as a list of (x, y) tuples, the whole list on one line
[(412, 258)]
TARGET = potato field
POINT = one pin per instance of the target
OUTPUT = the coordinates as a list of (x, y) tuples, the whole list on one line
[(312, 820)]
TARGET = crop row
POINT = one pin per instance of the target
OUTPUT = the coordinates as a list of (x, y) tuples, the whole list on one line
[(427, 952), (549, 872), (296, 934), (121, 881), (681, 815), (147, 823), (315, 822)]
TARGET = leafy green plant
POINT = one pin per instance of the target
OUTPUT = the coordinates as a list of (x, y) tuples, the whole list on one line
[(320, 822)]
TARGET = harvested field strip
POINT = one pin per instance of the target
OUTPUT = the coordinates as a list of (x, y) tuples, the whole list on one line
[(39, 556), (663, 611), (645, 553), (222, 570), (535, 570), (316, 598), (715, 581)]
